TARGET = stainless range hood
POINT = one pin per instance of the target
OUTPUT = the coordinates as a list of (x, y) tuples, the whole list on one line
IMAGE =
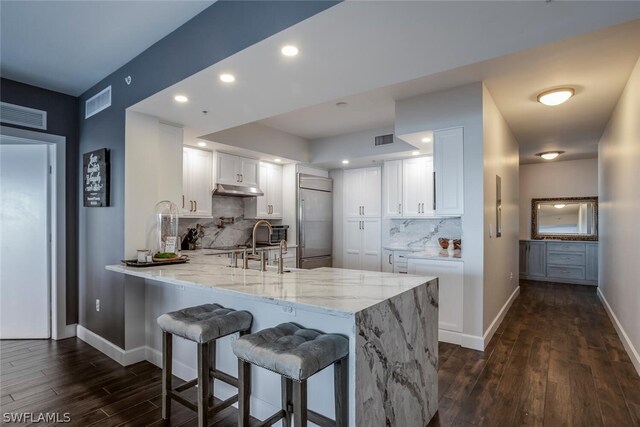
[(236, 190)]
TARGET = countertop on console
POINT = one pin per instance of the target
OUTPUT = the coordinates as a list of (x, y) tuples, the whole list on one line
[(336, 291)]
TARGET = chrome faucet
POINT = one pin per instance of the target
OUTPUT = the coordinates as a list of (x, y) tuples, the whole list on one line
[(283, 249), (255, 227)]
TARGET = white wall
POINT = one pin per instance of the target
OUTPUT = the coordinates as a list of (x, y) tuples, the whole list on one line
[(501, 157), (619, 208), (264, 139), (573, 178), (460, 106)]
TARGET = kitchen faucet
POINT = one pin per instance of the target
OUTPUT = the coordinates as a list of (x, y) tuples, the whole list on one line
[(255, 227)]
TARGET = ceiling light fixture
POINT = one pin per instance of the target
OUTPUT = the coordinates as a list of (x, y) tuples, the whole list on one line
[(426, 139), (550, 155), (557, 96), (202, 144), (277, 160), (415, 153), (345, 162), (289, 50), (227, 78), (181, 98), (559, 206)]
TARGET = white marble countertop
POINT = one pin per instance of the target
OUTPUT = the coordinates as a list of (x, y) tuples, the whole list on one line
[(335, 291), (428, 253)]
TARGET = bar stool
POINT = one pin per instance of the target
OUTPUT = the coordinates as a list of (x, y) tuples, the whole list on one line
[(295, 354), (202, 324)]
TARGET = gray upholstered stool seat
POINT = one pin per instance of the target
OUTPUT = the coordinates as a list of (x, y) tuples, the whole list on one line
[(296, 354), (290, 350), (204, 323)]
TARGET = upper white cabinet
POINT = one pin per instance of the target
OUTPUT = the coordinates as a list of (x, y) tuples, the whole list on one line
[(392, 188), (449, 172), (362, 192), (417, 189), (236, 170), (269, 205), (196, 182)]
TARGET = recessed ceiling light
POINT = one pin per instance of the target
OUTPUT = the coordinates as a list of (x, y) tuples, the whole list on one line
[(556, 96), (345, 162), (341, 104), (202, 144), (550, 155), (289, 50), (227, 78), (415, 153), (277, 160), (180, 98), (426, 139), (559, 206)]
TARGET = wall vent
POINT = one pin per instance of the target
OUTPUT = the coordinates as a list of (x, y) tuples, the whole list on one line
[(97, 103), (23, 116), (384, 139)]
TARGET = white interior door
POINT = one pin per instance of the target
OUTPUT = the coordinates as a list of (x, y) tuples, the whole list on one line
[(24, 241)]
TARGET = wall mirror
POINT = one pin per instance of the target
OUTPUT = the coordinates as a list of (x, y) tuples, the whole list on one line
[(565, 218)]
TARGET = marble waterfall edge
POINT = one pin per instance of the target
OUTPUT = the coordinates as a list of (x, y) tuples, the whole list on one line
[(397, 359)]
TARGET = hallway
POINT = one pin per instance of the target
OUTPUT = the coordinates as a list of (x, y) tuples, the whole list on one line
[(555, 360)]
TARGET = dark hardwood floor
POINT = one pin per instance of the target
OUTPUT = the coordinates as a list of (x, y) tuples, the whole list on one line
[(555, 360)]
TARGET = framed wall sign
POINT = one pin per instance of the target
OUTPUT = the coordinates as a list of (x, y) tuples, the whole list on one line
[(95, 180)]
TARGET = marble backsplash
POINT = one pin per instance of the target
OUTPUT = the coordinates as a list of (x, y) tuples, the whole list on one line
[(422, 233), (218, 233)]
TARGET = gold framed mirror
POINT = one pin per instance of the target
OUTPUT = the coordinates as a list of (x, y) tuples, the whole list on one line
[(564, 218)]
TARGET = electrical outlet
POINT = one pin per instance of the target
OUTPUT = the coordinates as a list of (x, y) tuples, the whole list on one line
[(97, 305), (511, 275)]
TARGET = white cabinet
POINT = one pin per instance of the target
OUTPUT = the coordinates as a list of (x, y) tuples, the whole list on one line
[(392, 189), (196, 182), (270, 205), (417, 188), (449, 172), (362, 193), (236, 170), (362, 244), (450, 290)]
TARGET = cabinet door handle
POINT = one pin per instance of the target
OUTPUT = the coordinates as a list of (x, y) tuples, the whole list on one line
[(400, 208), (241, 178), (418, 207), (423, 208), (183, 201), (237, 177), (191, 204), (434, 191), (195, 206), (390, 259)]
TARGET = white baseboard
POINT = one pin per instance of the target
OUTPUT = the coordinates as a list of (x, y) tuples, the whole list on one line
[(626, 342), (66, 331), (493, 327), (123, 357), (468, 341)]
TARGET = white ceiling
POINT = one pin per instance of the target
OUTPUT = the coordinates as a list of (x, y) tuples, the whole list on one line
[(406, 48), (68, 46)]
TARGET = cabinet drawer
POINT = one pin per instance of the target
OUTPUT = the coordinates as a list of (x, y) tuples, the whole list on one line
[(400, 257), (561, 246), (572, 273), (566, 258)]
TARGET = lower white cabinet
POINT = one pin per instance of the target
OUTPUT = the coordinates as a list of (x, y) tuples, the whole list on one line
[(196, 182), (450, 289), (387, 261), (362, 246)]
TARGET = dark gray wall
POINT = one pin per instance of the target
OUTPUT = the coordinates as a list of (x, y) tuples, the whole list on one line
[(218, 32), (62, 119)]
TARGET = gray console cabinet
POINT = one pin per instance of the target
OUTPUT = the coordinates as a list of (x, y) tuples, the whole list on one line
[(559, 261)]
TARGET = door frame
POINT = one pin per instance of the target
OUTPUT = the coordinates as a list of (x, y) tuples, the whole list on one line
[(57, 217)]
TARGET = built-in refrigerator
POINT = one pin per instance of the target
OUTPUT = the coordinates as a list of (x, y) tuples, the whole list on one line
[(315, 221)]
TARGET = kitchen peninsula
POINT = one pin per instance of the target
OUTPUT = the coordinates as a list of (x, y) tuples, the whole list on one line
[(391, 321)]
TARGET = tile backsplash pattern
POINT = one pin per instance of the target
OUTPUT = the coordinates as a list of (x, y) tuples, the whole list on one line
[(423, 233), (238, 233)]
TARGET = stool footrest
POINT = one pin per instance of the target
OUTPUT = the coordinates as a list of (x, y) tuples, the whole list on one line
[(185, 402), (273, 419), (193, 406), (319, 419), (188, 384), (224, 377)]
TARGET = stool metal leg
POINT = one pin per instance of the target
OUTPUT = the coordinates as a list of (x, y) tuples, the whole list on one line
[(203, 384), (341, 384), (244, 393), (167, 355), (287, 403), (300, 403)]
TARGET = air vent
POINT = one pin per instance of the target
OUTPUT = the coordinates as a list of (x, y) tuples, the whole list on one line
[(384, 139), (23, 116), (97, 103)]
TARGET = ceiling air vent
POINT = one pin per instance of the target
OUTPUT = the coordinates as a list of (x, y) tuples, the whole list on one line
[(384, 139), (97, 103), (23, 116)]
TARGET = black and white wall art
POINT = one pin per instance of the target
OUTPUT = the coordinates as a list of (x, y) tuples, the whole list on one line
[(95, 178)]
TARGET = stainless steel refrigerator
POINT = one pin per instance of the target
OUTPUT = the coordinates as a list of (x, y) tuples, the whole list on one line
[(315, 221)]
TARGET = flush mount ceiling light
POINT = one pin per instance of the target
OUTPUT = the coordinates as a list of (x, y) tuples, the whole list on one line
[(181, 98), (557, 96), (559, 206), (289, 50), (415, 153), (277, 160), (345, 162), (426, 139), (202, 144), (227, 78), (550, 155)]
